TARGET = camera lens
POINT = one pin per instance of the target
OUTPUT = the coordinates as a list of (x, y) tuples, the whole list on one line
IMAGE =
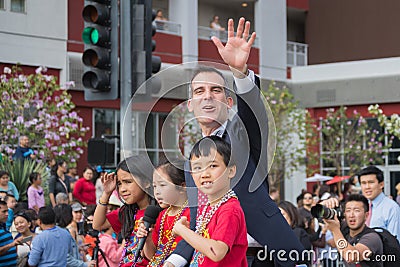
[(319, 211)]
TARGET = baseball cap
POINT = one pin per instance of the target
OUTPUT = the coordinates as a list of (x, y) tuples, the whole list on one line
[(76, 207), (114, 200)]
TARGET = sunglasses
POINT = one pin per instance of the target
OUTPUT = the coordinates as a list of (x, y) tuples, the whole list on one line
[(24, 215)]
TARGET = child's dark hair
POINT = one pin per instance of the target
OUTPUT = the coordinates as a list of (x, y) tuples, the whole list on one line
[(174, 169), (33, 177), (8, 196), (204, 146), (142, 169)]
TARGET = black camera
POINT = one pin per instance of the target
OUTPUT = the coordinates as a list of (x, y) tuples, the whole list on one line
[(86, 228), (321, 212)]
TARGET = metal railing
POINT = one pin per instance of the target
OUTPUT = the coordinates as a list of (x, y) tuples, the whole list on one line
[(296, 54), (168, 27), (205, 33)]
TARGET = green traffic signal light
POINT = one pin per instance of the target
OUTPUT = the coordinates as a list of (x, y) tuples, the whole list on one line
[(90, 35)]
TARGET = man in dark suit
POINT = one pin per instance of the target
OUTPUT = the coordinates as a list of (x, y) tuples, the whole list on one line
[(247, 132)]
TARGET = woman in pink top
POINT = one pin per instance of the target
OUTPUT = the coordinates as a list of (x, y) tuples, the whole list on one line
[(35, 192)]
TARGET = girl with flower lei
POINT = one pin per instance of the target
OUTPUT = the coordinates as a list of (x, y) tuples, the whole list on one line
[(133, 183), (170, 193)]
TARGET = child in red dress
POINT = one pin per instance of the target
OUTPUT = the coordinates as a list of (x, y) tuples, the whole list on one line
[(221, 237), (170, 193)]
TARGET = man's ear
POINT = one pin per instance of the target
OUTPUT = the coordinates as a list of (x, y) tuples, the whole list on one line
[(229, 101), (232, 171), (381, 185)]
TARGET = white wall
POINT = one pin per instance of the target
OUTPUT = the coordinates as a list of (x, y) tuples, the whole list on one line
[(36, 37), (270, 25)]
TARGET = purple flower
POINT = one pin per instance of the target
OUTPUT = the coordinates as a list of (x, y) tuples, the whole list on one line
[(40, 70), (20, 119), (48, 78), (7, 70), (69, 84)]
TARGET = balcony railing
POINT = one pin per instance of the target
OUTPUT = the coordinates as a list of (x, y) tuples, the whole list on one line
[(168, 27), (205, 33), (296, 52)]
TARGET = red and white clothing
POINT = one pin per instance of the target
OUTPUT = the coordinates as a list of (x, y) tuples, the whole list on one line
[(85, 192), (130, 248), (229, 226)]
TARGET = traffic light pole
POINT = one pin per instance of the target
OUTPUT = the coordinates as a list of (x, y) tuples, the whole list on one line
[(126, 80)]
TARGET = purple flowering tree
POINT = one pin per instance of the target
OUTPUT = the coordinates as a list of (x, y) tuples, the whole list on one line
[(351, 142), (35, 105)]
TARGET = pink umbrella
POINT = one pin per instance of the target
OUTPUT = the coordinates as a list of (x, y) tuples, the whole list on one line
[(337, 179)]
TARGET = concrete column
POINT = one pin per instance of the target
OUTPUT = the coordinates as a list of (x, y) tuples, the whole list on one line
[(185, 12), (270, 26)]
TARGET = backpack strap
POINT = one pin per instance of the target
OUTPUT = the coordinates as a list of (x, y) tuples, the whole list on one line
[(366, 230)]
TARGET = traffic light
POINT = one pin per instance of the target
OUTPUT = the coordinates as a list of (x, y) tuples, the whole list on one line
[(153, 63), (100, 56)]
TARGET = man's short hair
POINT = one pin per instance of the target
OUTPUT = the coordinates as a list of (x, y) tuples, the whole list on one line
[(204, 146), (202, 69), (358, 198), (372, 170), (2, 202), (22, 137), (47, 215), (61, 198)]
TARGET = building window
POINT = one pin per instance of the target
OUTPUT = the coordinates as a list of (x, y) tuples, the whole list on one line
[(18, 6), (155, 135), (2, 7), (152, 134)]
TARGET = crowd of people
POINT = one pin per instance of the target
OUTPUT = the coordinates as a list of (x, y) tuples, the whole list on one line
[(360, 208), (216, 207)]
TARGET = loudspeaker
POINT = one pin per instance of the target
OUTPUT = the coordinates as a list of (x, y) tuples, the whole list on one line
[(101, 152)]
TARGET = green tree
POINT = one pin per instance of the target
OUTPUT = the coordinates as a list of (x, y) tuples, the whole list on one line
[(294, 132)]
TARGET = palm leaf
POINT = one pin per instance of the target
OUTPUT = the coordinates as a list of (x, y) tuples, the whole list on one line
[(19, 172)]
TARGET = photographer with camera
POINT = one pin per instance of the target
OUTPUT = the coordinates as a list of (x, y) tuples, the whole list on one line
[(359, 245), (104, 248), (383, 211)]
